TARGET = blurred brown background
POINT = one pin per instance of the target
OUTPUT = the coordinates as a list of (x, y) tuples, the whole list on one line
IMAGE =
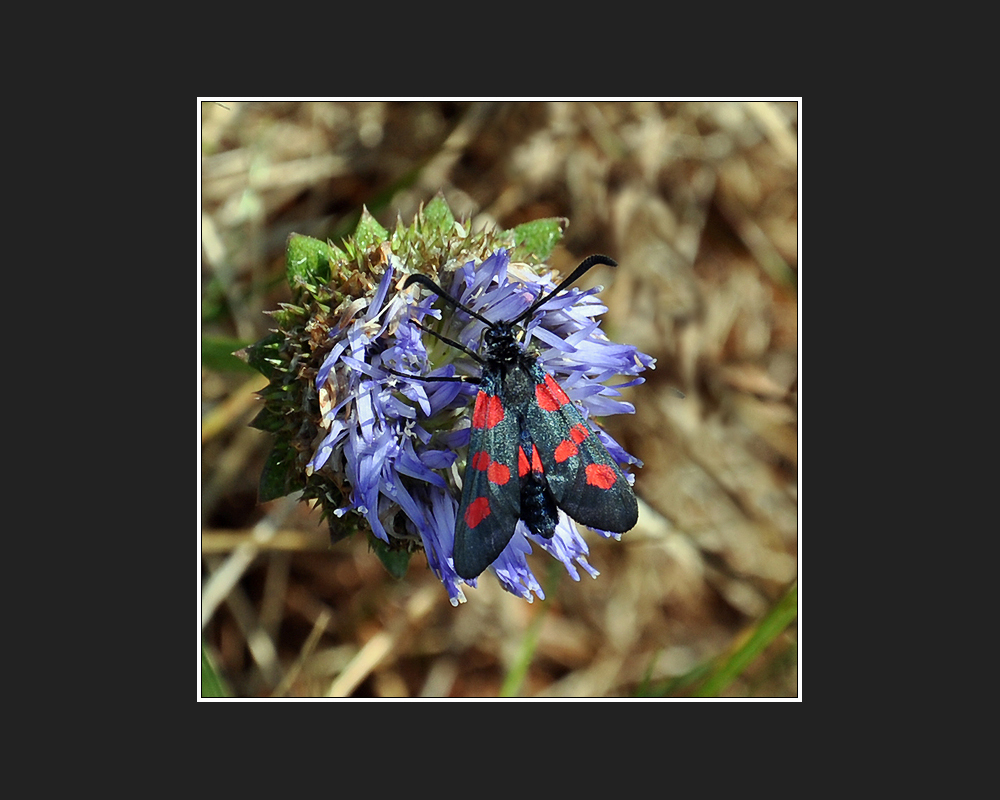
[(698, 204)]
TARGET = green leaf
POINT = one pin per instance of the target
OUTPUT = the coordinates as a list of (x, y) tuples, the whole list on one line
[(369, 233), (278, 476), (212, 684), (395, 561), (308, 260), (217, 352), (340, 528), (535, 240), (438, 217), (262, 355), (268, 420), (287, 316)]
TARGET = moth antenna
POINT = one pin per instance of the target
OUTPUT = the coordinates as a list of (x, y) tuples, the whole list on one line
[(585, 265), (423, 280), (456, 379), (452, 342)]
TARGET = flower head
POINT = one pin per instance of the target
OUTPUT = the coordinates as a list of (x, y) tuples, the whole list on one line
[(384, 445)]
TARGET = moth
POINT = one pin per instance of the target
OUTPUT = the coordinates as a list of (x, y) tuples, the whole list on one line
[(531, 452)]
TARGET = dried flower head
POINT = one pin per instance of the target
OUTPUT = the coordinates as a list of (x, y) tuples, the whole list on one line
[(385, 451)]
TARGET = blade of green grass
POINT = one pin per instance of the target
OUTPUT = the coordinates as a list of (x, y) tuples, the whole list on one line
[(673, 686), (514, 679), (767, 630), (212, 684)]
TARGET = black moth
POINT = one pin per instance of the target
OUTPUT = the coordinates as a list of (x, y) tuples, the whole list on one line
[(530, 452)]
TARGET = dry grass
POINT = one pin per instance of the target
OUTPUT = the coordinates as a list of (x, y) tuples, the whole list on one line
[(698, 204)]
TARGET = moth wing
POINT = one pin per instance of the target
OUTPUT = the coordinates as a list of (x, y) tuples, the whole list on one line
[(491, 498), (584, 479)]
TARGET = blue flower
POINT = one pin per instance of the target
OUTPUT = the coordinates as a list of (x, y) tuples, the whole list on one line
[(398, 443)]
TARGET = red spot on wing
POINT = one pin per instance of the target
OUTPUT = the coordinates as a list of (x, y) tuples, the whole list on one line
[(579, 432), (536, 462), (479, 411), (478, 510), (601, 475), (550, 395), (524, 466), (494, 412), (495, 471), (564, 450), (498, 474), (487, 412)]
